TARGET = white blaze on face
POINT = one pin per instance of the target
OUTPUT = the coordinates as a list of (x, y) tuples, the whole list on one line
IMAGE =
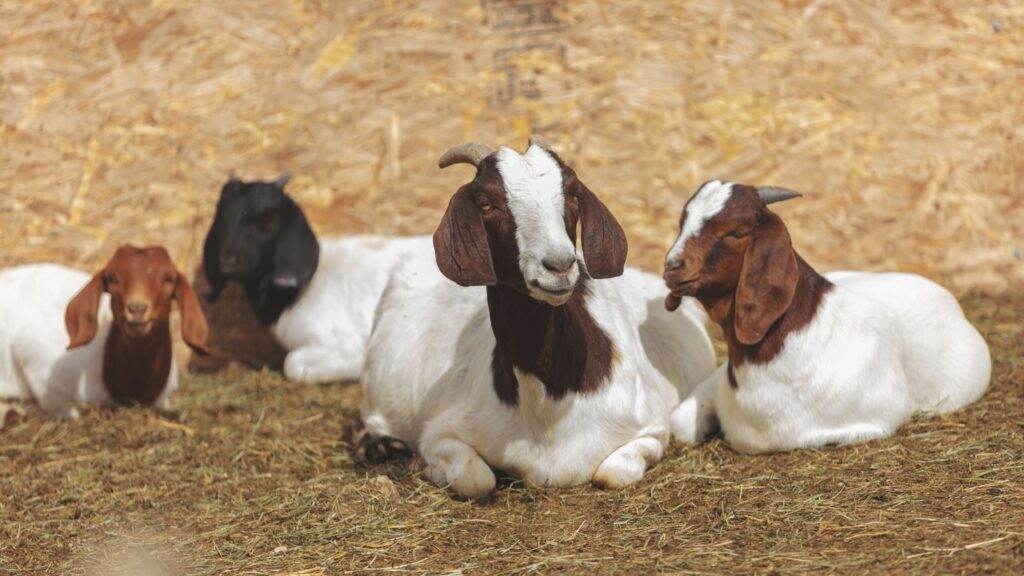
[(705, 204), (533, 187)]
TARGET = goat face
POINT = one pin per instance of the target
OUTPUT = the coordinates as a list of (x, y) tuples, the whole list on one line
[(141, 282), (259, 235), (731, 245), (515, 225)]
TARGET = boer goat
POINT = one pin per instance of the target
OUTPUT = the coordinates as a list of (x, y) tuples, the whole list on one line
[(813, 360), (115, 348), (317, 295), (551, 368)]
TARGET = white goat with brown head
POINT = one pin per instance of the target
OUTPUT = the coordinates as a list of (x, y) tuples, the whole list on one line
[(813, 360), (68, 339), (554, 365)]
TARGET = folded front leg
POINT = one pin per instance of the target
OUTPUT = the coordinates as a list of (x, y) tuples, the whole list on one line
[(452, 462), (316, 365), (694, 420), (626, 465)]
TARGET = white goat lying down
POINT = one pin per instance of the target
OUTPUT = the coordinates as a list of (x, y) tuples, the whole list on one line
[(813, 360), (67, 338), (318, 295), (548, 373)]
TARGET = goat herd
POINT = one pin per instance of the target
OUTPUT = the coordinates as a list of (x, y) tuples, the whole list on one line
[(497, 344)]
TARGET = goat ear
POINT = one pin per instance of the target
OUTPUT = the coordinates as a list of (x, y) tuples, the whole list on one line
[(604, 242), (80, 317), (211, 259), (767, 280), (296, 251), (194, 328), (460, 243)]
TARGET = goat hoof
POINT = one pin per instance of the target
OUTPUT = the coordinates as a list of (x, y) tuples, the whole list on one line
[(372, 449)]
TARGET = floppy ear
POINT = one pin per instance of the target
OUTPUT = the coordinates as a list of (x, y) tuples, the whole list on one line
[(767, 280), (80, 317), (604, 242), (211, 259), (194, 328), (460, 243), (296, 251)]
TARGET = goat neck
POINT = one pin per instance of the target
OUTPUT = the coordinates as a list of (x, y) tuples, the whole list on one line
[(268, 301), (562, 346), (135, 369), (811, 288)]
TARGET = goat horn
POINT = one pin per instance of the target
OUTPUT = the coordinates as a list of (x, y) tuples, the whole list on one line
[(772, 194), (283, 180), (538, 140), (468, 153)]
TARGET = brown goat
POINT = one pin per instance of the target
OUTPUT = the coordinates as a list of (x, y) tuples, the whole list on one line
[(137, 354)]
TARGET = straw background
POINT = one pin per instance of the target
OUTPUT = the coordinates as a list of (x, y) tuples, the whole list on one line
[(901, 121)]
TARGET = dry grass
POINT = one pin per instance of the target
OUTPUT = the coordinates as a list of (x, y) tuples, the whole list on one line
[(253, 477)]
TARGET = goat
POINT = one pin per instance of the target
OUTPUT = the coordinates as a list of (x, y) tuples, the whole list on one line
[(813, 360), (553, 369), (110, 347), (317, 295)]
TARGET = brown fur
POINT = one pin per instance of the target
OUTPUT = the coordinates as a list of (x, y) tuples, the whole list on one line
[(562, 346), (475, 245), (742, 267), (141, 282), (236, 336)]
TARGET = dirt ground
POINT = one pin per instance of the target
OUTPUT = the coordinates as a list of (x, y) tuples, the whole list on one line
[(253, 476)]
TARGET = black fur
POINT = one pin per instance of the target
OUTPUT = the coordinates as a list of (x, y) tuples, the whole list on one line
[(260, 239)]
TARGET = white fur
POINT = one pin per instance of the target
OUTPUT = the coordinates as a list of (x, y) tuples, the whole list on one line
[(881, 348), (428, 382), (533, 187), (35, 364), (326, 330), (705, 204)]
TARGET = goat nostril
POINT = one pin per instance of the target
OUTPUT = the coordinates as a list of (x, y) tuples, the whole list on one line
[(559, 265), (137, 308)]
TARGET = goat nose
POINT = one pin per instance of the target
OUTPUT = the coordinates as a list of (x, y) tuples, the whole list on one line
[(673, 265), (137, 307), (559, 265)]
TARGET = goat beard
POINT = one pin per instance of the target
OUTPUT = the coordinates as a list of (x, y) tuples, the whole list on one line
[(672, 301)]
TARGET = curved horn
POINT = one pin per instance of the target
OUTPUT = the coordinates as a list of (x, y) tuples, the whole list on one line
[(772, 194), (468, 153), (538, 140)]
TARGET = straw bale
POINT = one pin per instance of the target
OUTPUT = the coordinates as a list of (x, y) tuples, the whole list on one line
[(901, 120)]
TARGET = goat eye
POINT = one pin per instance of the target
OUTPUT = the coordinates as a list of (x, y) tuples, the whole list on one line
[(736, 234), (168, 279), (483, 204)]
